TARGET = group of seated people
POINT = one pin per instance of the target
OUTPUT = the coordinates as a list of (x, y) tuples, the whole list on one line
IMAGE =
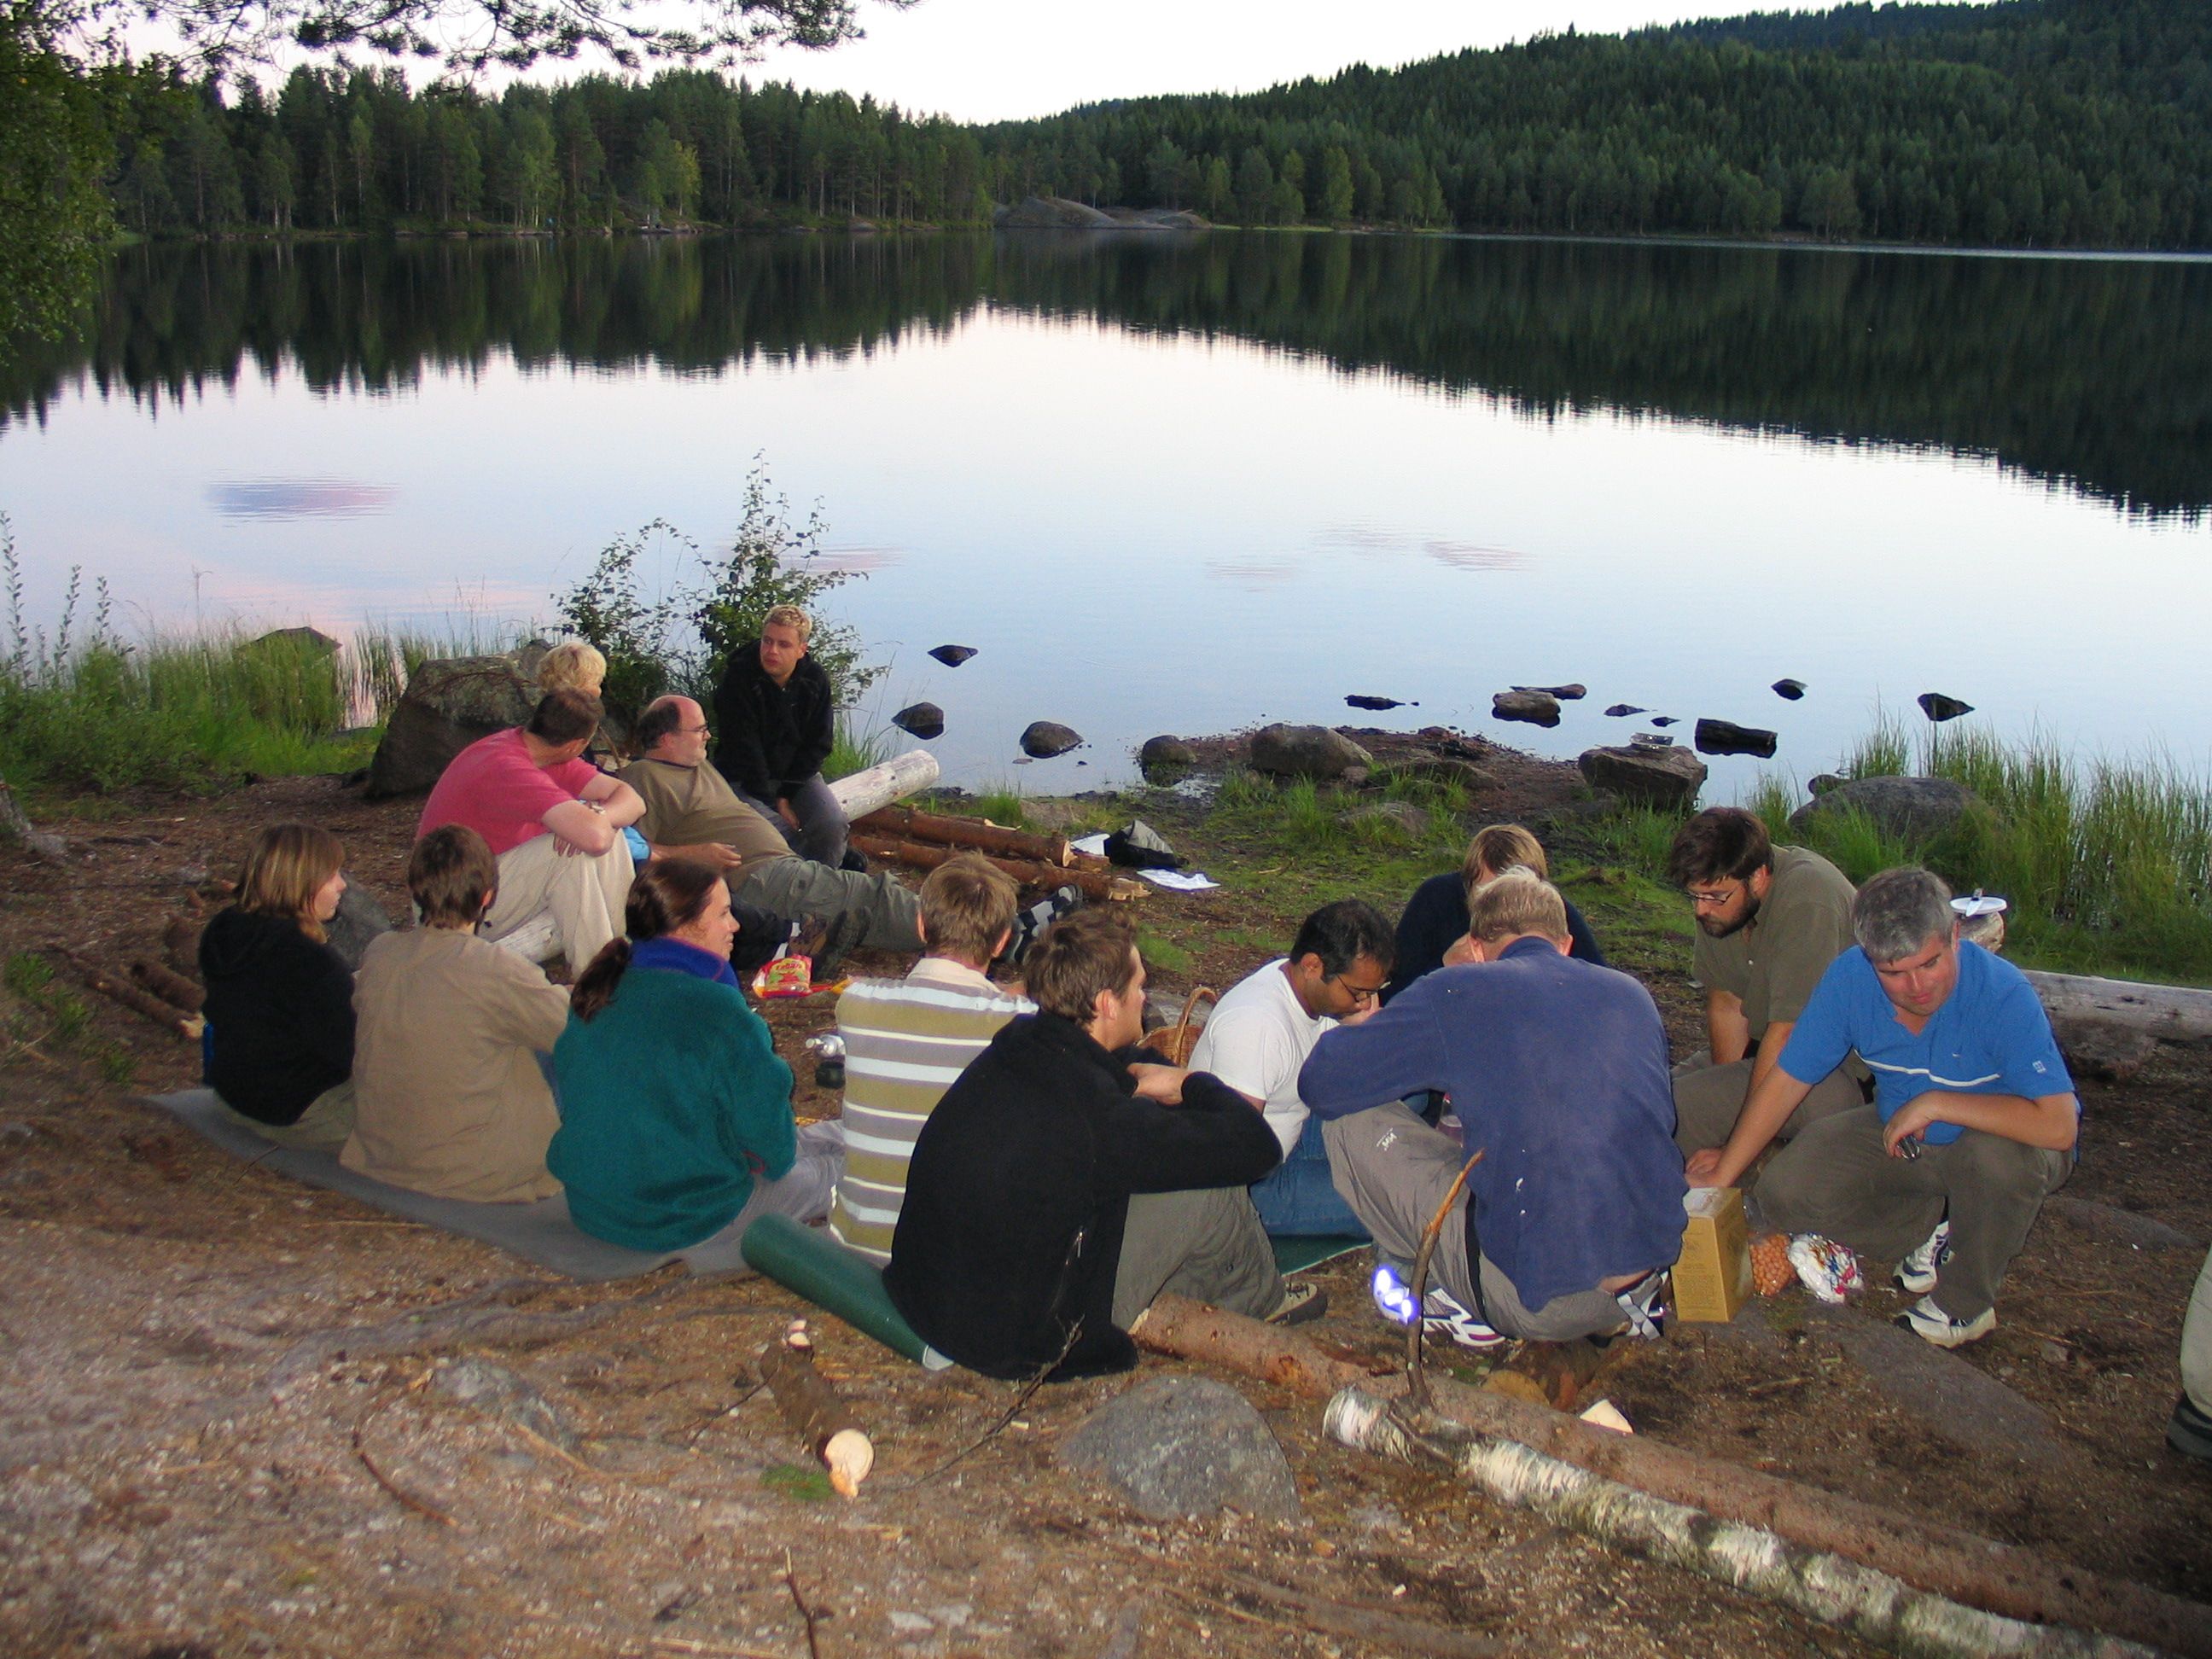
[(1027, 1173)]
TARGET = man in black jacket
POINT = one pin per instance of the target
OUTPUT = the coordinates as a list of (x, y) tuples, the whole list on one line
[(775, 718), (1058, 1188)]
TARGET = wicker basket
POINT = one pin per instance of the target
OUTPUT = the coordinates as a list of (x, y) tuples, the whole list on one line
[(1177, 1041)]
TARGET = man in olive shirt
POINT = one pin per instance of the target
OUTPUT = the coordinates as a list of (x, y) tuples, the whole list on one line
[(1770, 920), (691, 812)]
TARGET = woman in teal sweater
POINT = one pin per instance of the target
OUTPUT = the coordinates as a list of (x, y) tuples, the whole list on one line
[(676, 1124)]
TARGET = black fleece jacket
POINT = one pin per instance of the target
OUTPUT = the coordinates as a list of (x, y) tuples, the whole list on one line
[(279, 1014), (770, 738), (1019, 1190)]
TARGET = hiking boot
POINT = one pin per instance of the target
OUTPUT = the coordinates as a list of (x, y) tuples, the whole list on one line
[(1824, 1267), (2189, 1431), (1931, 1324), (1301, 1302), (839, 935), (1916, 1274), (1640, 1304)]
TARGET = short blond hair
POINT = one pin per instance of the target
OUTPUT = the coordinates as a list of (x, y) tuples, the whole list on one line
[(1497, 847), (284, 870), (573, 666), (791, 616), (968, 903), (1518, 902)]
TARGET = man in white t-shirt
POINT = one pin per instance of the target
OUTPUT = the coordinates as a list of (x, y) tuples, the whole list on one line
[(1261, 1033)]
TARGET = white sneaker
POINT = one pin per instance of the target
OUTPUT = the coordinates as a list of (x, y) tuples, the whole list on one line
[(1930, 1324), (1916, 1274)]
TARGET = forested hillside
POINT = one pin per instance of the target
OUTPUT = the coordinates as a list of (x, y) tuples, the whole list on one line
[(2044, 122), (2041, 122)]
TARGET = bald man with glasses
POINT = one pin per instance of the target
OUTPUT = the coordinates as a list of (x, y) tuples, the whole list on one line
[(1770, 920)]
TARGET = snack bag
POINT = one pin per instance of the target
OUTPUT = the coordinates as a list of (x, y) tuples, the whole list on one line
[(787, 976)]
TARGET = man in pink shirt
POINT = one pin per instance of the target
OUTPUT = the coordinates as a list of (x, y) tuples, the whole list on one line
[(553, 820)]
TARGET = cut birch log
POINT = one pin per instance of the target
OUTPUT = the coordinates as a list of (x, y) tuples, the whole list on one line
[(1093, 884), (49, 846), (814, 1411), (1871, 1604), (170, 988), (905, 823), (118, 989), (863, 791), (2172, 1013), (2000, 1578)]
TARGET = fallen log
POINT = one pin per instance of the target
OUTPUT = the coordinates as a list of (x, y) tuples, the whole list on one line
[(2000, 1579), (184, 1025), (815, 1412), (861, 793), (1871, 1604), (906, 824), (1095, 885), (174, 988), (2172, 1013)]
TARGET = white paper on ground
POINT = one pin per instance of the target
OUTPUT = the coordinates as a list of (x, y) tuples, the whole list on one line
[(1094, 845), (1174, 881)]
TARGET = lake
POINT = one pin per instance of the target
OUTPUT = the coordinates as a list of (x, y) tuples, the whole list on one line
[(1190, 482)]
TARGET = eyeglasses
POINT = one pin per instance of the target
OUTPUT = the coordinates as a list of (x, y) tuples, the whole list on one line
[(1357, 993), (695, 730), (1711, 901)]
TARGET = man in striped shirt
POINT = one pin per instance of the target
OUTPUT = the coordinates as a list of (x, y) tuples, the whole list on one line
[(906, 1040)]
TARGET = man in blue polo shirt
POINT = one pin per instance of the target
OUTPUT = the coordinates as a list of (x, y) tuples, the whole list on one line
[(1972, 1125), (1558, 1069)]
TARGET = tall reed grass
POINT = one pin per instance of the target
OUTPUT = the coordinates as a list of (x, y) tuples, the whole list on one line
[(2106, 863)]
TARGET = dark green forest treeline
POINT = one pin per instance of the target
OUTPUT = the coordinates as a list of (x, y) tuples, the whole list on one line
[(357, 150), (2042, 123), (2089, 374), (2045, 123)]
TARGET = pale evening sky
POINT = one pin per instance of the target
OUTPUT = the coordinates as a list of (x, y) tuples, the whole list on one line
[(985, 60)]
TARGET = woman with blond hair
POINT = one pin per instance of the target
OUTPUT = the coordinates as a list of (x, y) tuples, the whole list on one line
[(579, 666), (676, 1122), (279, 998), (1435, 916)]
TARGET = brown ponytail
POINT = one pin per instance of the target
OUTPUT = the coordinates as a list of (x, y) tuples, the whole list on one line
[(665, 895)]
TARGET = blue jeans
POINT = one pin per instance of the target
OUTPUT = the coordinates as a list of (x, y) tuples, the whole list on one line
[(1299, 1200)]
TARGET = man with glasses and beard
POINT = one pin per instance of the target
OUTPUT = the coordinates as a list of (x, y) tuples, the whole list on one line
[(1770, 920)]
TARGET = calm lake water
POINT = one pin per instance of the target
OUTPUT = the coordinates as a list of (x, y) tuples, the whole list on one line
[(1189, 483)]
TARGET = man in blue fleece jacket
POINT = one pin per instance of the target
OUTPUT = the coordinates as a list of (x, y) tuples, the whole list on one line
[(1557, 1070)]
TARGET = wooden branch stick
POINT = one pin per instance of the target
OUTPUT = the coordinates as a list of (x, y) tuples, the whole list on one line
[(2000, 1578), (806, 1614), (174, 988), (421, 1506), (905, 823), (1093, 884), (1871, 1604), (50, 848), (186, 1025), (1417, 1381), (814, 1411)]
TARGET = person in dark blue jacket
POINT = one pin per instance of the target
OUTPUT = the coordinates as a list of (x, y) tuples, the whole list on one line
[(776, 718), (1557, 1070), (1435, 918)]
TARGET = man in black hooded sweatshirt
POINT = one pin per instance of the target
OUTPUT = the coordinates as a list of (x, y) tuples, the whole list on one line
[(1058, 1189)]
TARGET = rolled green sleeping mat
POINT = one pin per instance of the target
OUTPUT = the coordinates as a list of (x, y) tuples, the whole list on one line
[(808, 1260)]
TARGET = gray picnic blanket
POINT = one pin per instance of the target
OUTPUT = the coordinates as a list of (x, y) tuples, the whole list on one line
[(540, 1232)]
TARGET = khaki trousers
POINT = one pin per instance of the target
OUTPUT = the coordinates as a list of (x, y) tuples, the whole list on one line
[(585, 895), (1708, 1098), (1206, 1243)]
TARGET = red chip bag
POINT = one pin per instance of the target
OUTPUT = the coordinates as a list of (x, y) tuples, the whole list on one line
[(787, 976)]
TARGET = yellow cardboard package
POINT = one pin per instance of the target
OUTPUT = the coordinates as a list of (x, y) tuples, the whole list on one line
[(1712, 1279)]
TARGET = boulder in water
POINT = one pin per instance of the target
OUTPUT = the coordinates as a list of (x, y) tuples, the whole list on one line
[(1564, 693), (1939, 707), (920, 720), (1042, 740), (1165, 756), (952, 655), (1727, 738), (1790, 690), (1622, 711), (1536, 708)]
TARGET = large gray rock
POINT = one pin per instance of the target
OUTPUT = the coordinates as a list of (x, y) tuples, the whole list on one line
[(1185, 1446), (1306, 752), (1912, 809), (1536, 708), (1042, 740), (1166, 755), (1571, 693), (920, 720), (310, 642), (1639, 772), (448, 705), (1939, 707), (360, 919)]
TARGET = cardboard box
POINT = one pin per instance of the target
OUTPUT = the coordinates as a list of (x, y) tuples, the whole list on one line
[(1712, 1279)]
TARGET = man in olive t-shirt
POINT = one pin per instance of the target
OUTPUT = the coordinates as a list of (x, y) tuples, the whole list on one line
[(1770, 920), (691, 812)]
